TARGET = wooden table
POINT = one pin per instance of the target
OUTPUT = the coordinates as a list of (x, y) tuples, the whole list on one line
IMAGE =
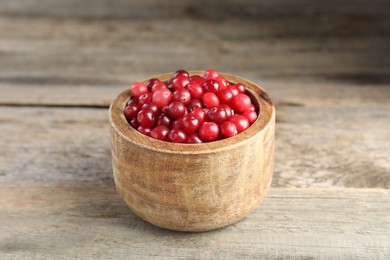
[(325, 64)]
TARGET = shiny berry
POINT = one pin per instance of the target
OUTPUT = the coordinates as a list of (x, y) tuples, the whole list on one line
[(131, 111), (153, 107), (138, 89), (217, 114), (233, 89), (211, 74), (240, 87), (223, 83), (182, 95), (176, 109), (181, 72), (190, 123), (241, 102), (160, 132), (194, 139), (195, 90), (164, 119), (144, 98), (211, 85), (208, 132), (162, 97), (180, 82), (145, 131), (177, 135), (240, 121), (151, 83), (228, 110), (146, 118), (194, 103), (199, 114), (210, 99), (225, 96), (177, 123), (251, 115), (134, 123), (228, 129), (159, 86)]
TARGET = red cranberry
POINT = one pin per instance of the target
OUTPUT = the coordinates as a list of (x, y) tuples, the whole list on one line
[(209, 131), (252, 107), (217, 114), (180, 82), (160, 132), (162, 97), (199, 114), (228, 110), (134, 123), (228, 129), (211, 85), (151, 83), (131, 111), (225, 96), (144, 98), (146, 118), (138, 89), (241, 102), (145, 131), (240, 87), (177, 123), (176, 135), (159, 86), (194, 103), (131, 101), (176, 109), (211, 74), (233, 89), (194, 139), (250, 115), (241, 122), (209, 100), (190, 123), (195, 90), (182, 95), (181, 72), (153, 107), (164, 119), (223, 83)]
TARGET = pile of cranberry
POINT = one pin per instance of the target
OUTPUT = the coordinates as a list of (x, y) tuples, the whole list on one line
[(190, 109)]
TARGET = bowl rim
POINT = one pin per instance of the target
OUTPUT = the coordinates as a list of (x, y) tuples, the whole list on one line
[(259, 97)]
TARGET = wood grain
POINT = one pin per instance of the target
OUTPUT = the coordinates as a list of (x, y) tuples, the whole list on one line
[(54, 144), (88, 220)]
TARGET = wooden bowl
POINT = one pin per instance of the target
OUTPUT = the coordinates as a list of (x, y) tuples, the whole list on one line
[(194, 187)]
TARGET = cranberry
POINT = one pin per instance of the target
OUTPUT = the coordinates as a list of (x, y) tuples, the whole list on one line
[(144, 98), (181, 72), (131, 101), (190, 123), (151, 83), (159, 86), (211, 85), (240, 87), (250, 115), (131, 111), (197, 79), (252, 107), (228, 129), (228, 110), (138, 89), (180, 82), (241, 102), (146, 118), (241, 122), (233, 89), (176, 109), (194, 103), (160, 132), (223, 83), (225, 96), (162, 97), (194, 139), (164, 119), (211, 74), (182, 95), (134, 123), (209, 100), (217, 114), (177, 123), (145, 131), (199, 114), (195, 90), (209, 131), (176, 135), (153, 107)]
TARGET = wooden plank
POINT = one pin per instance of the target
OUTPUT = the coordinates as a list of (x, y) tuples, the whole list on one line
[(315, 146), (86, 220)]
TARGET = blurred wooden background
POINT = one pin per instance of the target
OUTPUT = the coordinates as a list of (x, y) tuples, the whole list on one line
[(325, 63)]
